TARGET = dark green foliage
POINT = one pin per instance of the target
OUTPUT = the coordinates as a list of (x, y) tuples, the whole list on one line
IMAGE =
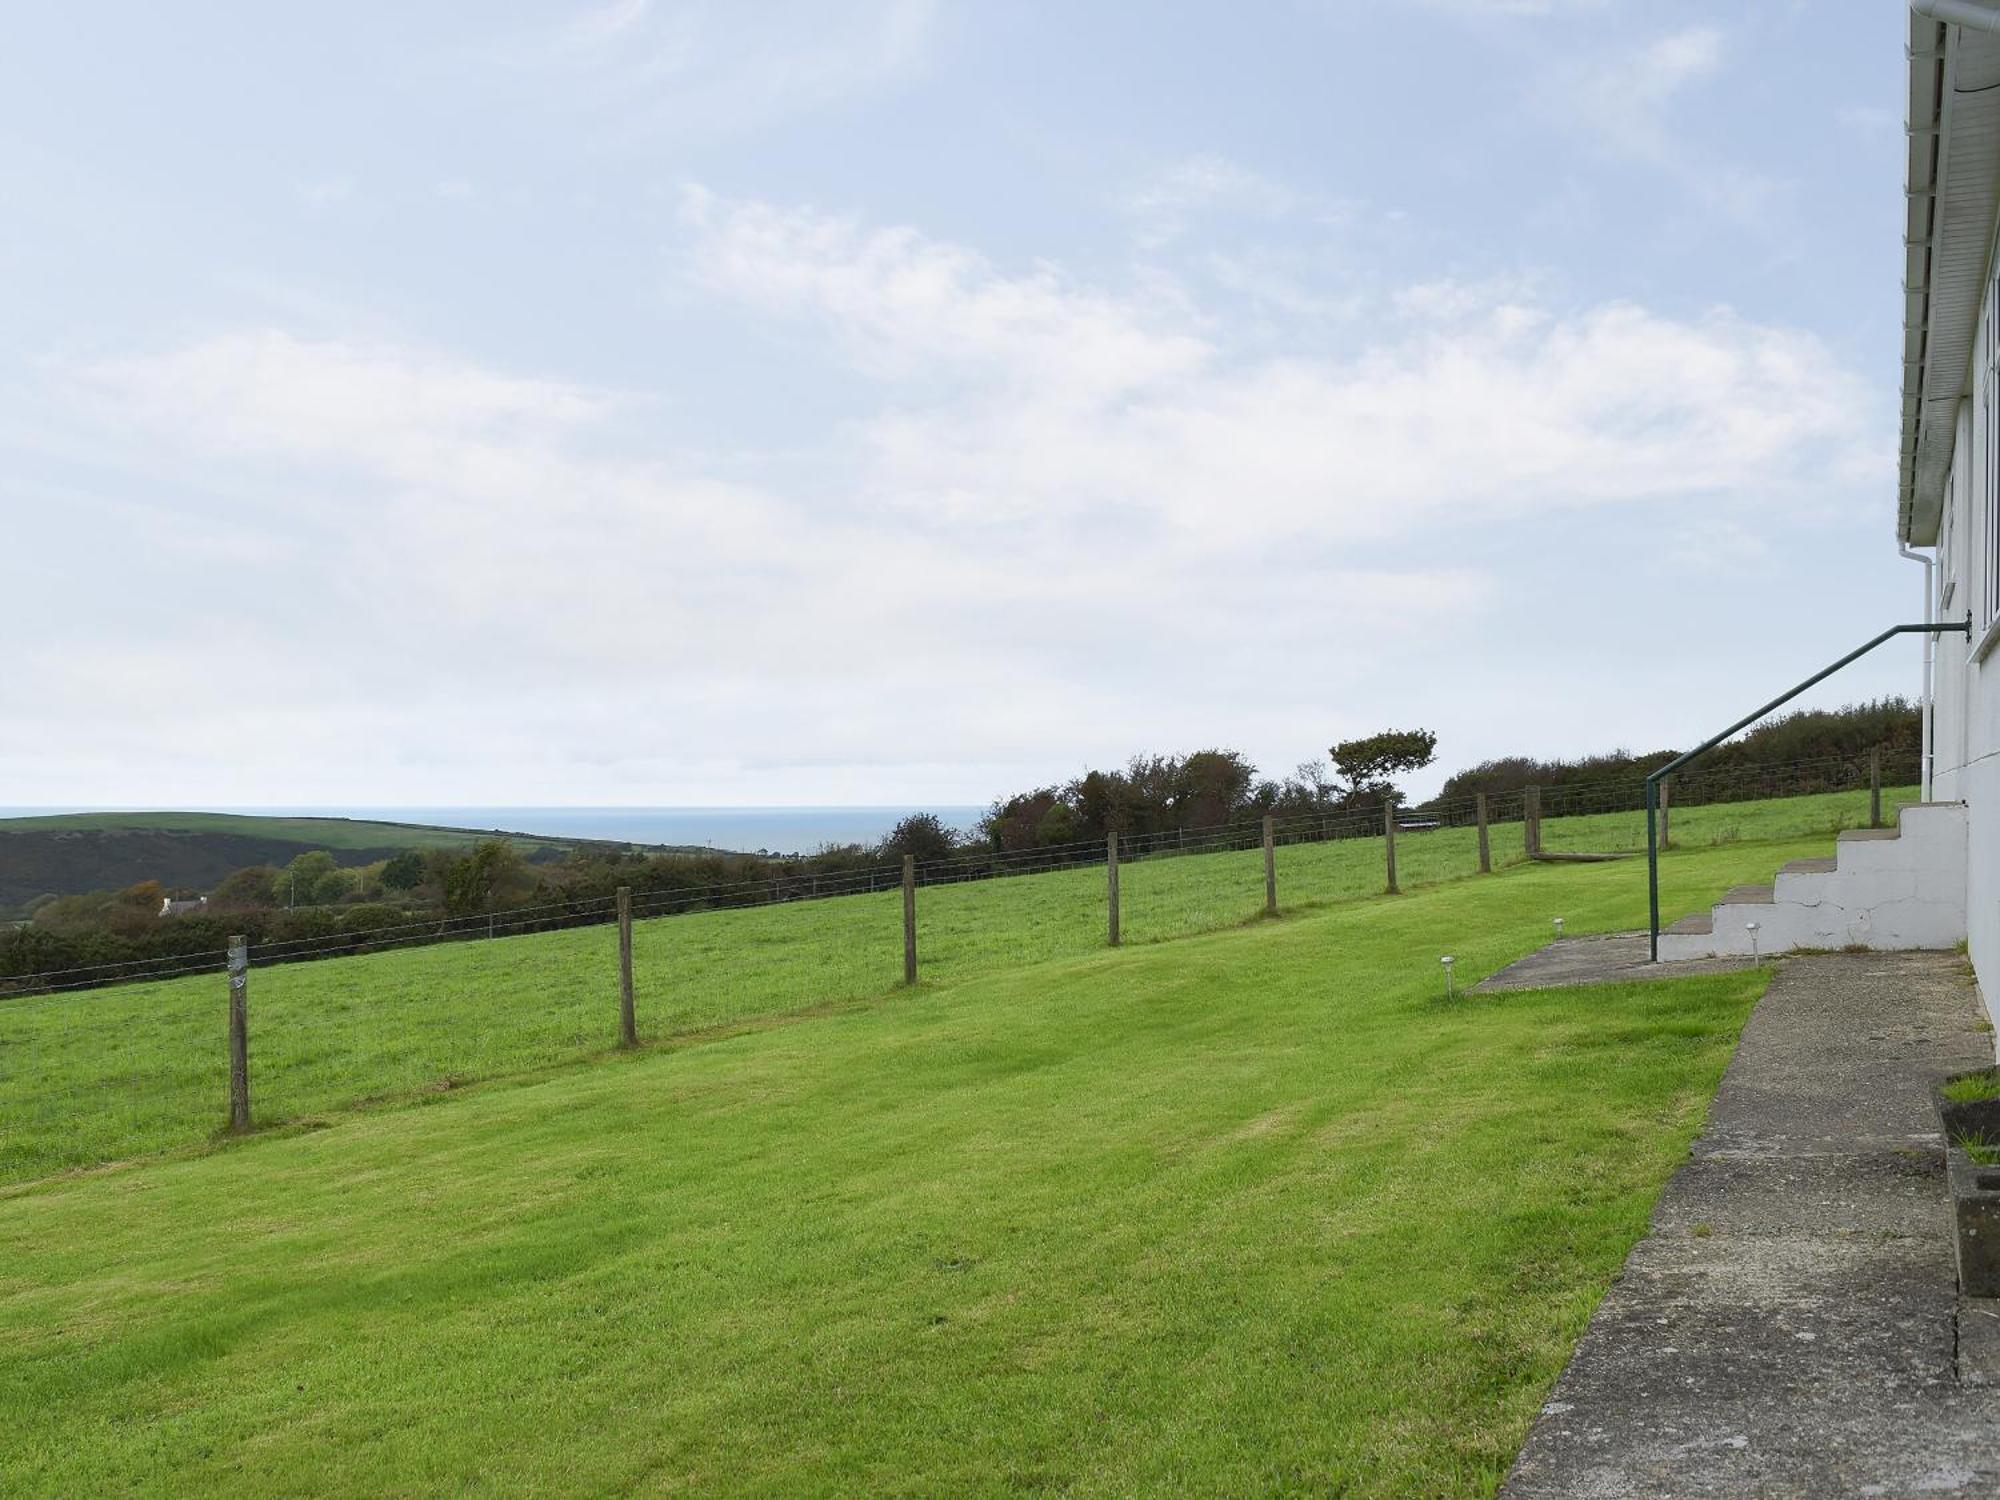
[(256, 886), (1153, 794), (1168, 793), (68, 861), (1811, 735), (403, 873), (1369, 765), (1024, 820), (920, 834), (492, 876), (300, 883), (371, 916)]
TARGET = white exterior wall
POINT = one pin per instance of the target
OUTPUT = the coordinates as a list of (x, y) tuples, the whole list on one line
[(1965, 725)]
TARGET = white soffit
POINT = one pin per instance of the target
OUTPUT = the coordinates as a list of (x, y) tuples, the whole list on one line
[(1953, 194)]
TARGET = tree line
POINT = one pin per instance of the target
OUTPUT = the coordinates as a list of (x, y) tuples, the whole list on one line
[(312, 900)]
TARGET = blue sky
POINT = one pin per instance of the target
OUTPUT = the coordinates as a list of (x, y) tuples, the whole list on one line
[(887, 401)]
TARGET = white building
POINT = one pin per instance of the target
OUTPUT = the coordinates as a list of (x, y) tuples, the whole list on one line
[(1949, 484), (1933, 881)]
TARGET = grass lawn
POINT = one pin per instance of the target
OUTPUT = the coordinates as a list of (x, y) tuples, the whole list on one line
[(103, 1075), (1255, 1212)]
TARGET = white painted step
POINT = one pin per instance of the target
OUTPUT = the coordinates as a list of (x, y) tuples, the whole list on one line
[(1886, 888)]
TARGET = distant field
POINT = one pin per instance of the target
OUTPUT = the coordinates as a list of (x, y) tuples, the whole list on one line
[(97, 1076), (312, 833), (69, 853)]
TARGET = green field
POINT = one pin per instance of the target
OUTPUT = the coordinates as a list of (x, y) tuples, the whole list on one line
[(65, 854), (1252, 1212), (308, 833), (102, 1075)]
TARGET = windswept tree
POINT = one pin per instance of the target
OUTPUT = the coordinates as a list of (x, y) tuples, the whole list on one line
[(1368, 766), (920, 834), (403, 872), (491, 877), (248, 889)]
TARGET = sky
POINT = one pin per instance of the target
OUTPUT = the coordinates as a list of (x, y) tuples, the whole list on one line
[(901, 401)]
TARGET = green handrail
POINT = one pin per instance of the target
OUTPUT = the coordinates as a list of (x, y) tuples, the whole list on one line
[(1962, 627)]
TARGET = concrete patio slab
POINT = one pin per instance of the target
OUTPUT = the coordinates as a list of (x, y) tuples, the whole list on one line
[(1609, 959), (1791, 1325)]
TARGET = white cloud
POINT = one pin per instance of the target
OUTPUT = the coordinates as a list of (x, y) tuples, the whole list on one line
[(705, 67), (903, 304), (1074, 516), (1513, 7), (1162, 204), (1874, 120), (1626, 96), (1628, 104), (441, 559), (324, 194), (1027, 396)]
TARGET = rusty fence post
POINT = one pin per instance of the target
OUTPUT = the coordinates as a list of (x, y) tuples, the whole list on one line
[(1389, 843), (1270, 867), (1875, 787), (239, 1033), (1485, 847), (1111, 881), (909, 919), (628, 1020)]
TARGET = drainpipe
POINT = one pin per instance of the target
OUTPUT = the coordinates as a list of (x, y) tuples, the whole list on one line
[(1959, 13), (1904, 549)]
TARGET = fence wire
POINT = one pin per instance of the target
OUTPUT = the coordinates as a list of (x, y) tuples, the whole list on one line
[(121, 1058)]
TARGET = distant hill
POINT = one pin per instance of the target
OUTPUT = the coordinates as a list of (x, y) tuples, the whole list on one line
[(70, 853)]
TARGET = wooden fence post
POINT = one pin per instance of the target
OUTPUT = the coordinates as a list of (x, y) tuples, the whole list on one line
[(1389, 842), (1531, 820), (1666, 812), (628, 1020), (1875, 787), (1485, 848), (1111, 876), (909, 919), (1270, 868), (239, 1034)]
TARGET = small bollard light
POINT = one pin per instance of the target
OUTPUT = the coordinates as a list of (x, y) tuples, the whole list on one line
[(1751, 928), (1559, 929), (1449, 991)]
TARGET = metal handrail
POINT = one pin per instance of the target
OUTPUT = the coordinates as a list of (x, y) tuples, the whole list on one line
[(1939, 627)]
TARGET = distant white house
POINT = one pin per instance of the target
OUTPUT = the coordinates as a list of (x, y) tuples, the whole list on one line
[(172, 908)]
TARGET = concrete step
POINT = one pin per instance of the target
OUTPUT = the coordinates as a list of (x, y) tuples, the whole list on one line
[(1881, 890)]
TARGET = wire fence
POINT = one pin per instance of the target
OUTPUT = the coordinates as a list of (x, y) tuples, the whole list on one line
[(120, 1058)]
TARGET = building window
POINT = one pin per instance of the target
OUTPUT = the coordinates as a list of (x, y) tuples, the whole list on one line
[(1989, 510)]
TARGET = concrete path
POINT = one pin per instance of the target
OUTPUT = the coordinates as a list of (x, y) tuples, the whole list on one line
[(1791, 1324), (1607, 959)]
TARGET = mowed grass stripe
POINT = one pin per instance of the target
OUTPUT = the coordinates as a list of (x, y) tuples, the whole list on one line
[(105, 1075), (1252, 1213)]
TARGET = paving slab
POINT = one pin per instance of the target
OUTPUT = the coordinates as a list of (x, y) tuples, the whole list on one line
[(1791, 1325), (1612, 958)]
